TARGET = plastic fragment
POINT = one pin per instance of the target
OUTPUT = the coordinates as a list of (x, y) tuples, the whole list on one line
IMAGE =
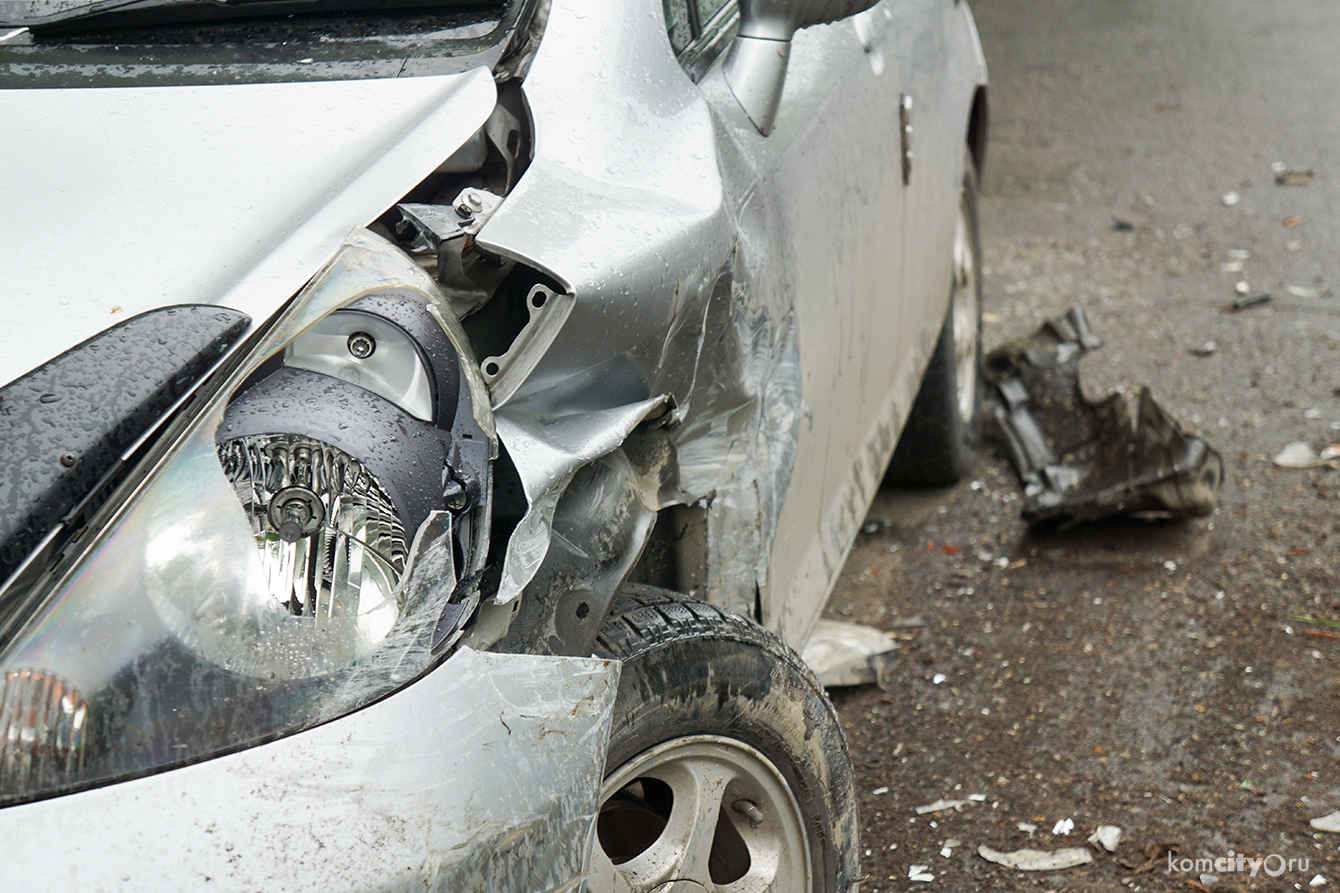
[(846, 653), (1037, 860), (1302, 291), (1292, 220), (1329, 823), (1287, 176), (1251, 301), (1081, 460), (1230, 198), (920, 873), (1107, 837), (1298, 454), (1242, 287), (941, 806), (1063, 827), (1317, 881), (1239, 253), (1206, 349), (1028, 828)]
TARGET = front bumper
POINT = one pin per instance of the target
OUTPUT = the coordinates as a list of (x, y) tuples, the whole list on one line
[(484, 775)]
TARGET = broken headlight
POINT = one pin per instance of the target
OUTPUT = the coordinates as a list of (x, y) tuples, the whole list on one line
[(293, 554)]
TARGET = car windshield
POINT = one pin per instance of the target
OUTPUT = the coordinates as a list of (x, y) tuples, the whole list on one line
[(39, 14)]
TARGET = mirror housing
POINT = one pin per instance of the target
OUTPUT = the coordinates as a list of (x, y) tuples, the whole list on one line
[(755, 66)]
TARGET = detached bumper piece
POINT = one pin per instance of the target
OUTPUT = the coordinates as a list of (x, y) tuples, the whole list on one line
[(1084, 461)]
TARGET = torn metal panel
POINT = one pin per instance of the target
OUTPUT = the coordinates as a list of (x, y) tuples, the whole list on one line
[(547, 452), (1081, 460), (600, 525), (405, 794)]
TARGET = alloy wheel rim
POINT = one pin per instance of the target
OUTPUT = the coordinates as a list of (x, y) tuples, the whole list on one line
[(965, 314), (700, 813)]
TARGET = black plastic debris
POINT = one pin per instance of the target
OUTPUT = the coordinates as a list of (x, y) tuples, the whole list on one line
[(1287, 176), (1083, 461), (1247, 302)]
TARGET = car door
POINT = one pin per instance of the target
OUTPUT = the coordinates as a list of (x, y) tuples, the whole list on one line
[(820, 208)]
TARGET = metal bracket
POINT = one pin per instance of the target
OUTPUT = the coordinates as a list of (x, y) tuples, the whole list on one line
[(505, 374)]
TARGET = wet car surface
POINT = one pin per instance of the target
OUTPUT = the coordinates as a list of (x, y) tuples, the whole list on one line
[(455, 420)]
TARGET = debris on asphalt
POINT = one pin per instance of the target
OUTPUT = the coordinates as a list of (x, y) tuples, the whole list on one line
[(1317, 881), (1249, 301), (1232, 266), (1292, 220), (920, 873), (948, 849), (1107, 837), (1122, 226), (1206, 349), (1037, 860), (1028, 828), (1080, 460), (1154, 853), (1287, 176), (1230, 198), (880, 790), (941, 806), (1063, 827), (846, 653), (1298, 454), (1242, 287), (1302, 291), (1329, 823), (1239, 253)]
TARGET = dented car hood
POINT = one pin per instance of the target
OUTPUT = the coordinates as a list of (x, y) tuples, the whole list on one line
[(230, 194)]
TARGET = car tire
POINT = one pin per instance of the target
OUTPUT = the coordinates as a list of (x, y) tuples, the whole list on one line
[(726, 762), (939, 442)]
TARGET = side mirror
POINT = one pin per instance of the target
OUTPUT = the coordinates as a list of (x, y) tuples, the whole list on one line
[(755, 66)]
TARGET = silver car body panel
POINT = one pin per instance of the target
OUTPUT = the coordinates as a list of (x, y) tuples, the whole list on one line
[(750, 281), (393, 797), (230, 194)]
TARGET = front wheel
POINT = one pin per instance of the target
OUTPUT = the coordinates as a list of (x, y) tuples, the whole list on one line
[(727, 770)]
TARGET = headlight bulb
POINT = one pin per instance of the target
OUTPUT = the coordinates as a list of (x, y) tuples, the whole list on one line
[(330, 540)]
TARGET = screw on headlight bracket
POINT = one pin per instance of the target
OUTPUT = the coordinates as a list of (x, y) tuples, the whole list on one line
[(442, 238)]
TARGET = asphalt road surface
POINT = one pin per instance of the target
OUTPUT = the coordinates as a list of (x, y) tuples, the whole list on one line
[(1154, 677)]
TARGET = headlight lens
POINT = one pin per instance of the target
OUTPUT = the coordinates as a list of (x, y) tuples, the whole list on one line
[(284, 563)]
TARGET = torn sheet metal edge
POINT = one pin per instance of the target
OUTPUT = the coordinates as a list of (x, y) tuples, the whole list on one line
[(547, 452), (1140, 462), (407, 795)]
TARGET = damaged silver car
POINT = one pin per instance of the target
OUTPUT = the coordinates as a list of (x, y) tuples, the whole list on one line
[(430, 426)]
